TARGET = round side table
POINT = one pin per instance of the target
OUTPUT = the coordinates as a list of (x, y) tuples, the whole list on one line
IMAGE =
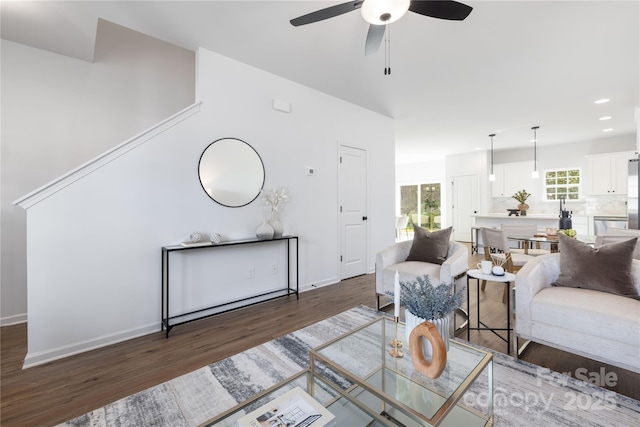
[(508, 278)]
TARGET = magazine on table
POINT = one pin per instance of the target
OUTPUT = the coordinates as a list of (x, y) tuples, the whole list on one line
[(295, 408)]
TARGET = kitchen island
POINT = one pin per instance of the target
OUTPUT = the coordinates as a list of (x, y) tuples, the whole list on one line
[(542, 221)]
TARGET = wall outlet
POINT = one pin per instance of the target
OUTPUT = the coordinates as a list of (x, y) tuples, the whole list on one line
[(252, 273), (274, 269)]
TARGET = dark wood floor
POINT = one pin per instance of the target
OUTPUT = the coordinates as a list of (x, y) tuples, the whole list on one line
[(63, 389)]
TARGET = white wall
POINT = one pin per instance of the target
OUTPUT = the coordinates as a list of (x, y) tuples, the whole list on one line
[(59, 112), (94, 246)]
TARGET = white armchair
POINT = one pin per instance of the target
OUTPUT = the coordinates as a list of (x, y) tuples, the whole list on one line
[(394, 257), (598, 325)]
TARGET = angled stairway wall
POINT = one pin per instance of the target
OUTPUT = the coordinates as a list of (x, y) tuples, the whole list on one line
[(58, 112), (94, 243)]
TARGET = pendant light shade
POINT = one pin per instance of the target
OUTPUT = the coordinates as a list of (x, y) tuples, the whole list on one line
[(535, 174), (492, 177)]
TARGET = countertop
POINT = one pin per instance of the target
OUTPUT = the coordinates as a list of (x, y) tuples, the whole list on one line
[(546, 216), (506, 216)]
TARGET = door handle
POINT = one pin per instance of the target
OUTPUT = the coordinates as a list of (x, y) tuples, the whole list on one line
[(364, 218)]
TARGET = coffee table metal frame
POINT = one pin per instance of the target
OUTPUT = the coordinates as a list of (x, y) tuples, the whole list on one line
[(309, 381), (417, 380)]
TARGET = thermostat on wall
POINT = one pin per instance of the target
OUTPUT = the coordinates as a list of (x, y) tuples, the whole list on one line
[(311, 171)]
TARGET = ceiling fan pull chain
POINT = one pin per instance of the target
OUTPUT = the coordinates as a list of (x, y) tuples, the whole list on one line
[(389, 47), (387, 50), (386, 28)]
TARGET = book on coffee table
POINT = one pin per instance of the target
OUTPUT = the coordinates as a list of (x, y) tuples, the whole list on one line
[(295, 408)]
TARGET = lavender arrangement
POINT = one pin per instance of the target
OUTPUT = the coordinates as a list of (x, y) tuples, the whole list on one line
[(426, 301)]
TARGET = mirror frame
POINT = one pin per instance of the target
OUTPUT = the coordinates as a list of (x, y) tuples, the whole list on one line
[(252, 151)]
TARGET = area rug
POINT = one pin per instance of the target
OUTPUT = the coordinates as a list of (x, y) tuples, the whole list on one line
[(524, 394)]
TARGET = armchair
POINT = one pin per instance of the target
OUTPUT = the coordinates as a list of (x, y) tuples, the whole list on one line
[(393, 259)]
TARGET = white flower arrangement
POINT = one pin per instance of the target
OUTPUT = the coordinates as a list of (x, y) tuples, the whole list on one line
[(274, 197)]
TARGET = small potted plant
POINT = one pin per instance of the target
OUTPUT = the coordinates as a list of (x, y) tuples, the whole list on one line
[(521, 196), (425, 302)]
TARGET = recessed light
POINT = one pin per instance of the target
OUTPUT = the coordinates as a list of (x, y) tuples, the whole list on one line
[(605, 118), (601, 101), (607, 130)]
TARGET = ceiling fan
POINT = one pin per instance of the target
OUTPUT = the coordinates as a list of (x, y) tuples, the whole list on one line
[(379, 13)]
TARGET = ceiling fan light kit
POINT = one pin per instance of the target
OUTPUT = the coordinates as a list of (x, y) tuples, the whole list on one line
[(381, 12)]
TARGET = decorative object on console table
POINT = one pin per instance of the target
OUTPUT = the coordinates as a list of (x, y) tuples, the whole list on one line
[(426, 302), (195, 239), (278, 229), (521, 196), (215, 238), (264, 231), (273, 198)]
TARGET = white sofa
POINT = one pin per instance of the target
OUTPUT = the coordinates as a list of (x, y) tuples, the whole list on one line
[(598, 325), (394, 257)]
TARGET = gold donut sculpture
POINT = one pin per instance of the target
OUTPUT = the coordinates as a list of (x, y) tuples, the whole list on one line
[(438, 362)]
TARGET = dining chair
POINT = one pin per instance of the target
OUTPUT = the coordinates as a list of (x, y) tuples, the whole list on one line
[(497, 250), (525, 230), (615, 235)]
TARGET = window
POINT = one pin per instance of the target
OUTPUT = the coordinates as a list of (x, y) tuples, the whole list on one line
[(421, 203), (561, 183)]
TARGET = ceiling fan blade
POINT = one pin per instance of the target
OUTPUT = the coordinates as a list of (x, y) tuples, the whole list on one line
[(329, 12), (374, 39), (443, 9)]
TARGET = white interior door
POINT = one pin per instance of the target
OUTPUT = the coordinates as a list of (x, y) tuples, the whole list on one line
[(353, 211), (465, 203)]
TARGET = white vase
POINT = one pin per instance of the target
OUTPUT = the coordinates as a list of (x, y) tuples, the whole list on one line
[(264, 231), (277, 227), (442, 325)]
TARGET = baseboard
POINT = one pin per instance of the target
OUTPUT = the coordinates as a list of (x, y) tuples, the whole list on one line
[(13, 320), (315, 285), (39, 358)]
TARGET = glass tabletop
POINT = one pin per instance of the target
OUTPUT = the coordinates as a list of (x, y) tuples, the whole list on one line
[(549, 239), (363, 357), (347, 412)]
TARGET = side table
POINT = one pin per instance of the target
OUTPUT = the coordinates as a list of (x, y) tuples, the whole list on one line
[(508, 278)]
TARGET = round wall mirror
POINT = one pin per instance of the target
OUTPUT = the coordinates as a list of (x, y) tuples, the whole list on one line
[(231, 172)]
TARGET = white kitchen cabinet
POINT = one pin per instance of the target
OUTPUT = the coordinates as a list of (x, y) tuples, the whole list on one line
[(511, 178), (607, 173), (580, 223)]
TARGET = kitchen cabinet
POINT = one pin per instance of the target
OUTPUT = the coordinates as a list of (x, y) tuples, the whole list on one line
[(580, 223), (607, 173), (511, 178)]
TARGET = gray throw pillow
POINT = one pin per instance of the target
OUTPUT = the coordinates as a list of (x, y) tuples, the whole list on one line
[(605, 269), (429, 247)]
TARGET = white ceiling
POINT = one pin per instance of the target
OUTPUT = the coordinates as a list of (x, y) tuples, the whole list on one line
[(509, 66)]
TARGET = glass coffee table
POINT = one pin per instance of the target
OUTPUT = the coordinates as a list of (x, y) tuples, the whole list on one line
[(347, 411), (391, 387), (356, 378)]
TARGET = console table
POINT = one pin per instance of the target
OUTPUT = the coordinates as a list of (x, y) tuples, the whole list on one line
[(168, 322)]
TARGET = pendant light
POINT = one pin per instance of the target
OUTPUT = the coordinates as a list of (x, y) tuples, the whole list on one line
[(492, 177), (535, 174)]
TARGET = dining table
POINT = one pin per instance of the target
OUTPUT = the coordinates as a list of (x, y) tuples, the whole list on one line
[(528, 239)]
